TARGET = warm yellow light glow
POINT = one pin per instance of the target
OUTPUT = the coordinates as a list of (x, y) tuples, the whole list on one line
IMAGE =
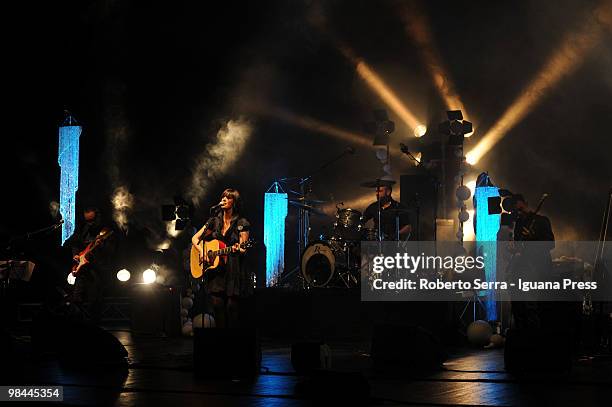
[(123, 275), (149, 276), (164, 245), (468, 227), (564, 61), (417, 26), (471, 157), (420, 130), (471, 185)]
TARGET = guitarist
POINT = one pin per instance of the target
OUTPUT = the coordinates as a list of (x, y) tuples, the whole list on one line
[(231, 281), (90, 279)]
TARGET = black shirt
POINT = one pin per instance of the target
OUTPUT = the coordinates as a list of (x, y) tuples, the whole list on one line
[(387, 218)]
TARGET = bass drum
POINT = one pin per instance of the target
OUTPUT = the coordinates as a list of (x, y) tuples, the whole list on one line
[(318, 264)]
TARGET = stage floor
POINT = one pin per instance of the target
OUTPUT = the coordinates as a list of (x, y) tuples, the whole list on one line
[(160, 373)]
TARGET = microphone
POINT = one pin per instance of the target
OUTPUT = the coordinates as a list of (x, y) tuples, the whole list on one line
[(215, 207), (58, 224), (349, 150)]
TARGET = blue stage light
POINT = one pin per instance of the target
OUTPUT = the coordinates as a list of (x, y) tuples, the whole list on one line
[(275, 212), (68, 159)]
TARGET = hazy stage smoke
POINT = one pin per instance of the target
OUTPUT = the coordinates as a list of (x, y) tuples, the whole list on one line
[(217, 157), (123, 202), (171, 229)]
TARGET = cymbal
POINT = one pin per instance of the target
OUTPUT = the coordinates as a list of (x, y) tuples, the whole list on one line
[(308, 208), (310, 201), (377, 183)]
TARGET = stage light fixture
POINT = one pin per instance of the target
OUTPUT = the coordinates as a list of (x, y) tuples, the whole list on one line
[(123, 275), (149, 276), (420, 130), (181, 212), (381, 128), (455, 127)]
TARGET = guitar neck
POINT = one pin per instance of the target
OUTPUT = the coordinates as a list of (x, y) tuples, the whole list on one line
[(228, 249)]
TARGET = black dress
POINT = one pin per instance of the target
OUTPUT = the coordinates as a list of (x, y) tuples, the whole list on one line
[(233, 279)]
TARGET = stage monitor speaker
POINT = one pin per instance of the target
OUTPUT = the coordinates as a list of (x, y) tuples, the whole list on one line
[(76, 341), (156, 310), (538, 350), (226, 352), (419, 191), (406, 347), (308, 356), (338, 388)]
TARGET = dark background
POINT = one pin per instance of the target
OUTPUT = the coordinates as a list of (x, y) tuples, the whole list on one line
[(152, 82)]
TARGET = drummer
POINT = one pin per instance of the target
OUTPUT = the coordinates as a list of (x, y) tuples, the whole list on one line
[(390, 212)]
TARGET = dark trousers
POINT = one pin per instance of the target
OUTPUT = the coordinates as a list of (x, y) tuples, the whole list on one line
[(225, 310), (88, 293)]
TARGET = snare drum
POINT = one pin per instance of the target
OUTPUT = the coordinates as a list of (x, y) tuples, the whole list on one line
[(348, 224)]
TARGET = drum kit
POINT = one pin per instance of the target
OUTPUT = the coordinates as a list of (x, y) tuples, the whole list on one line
[(334, 259)]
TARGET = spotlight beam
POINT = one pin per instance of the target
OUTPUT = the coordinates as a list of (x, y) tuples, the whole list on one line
[(367, 73), (321, 127), (375, 82), (416, 25), (563, 62)]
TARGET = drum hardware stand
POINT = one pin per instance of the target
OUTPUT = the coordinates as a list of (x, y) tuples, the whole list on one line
[(600, 274), (303, 214), (474, 299)]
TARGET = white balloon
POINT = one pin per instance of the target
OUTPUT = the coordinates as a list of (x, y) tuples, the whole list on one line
[(187, 302)]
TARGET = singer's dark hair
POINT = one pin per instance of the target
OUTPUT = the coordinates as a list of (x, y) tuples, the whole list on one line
[(235, 195)]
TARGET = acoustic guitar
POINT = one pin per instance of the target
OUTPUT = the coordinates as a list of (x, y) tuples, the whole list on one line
[(215, 254)]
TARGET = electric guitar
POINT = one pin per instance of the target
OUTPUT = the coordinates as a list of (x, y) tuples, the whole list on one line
[(215, 253), (81, 260)]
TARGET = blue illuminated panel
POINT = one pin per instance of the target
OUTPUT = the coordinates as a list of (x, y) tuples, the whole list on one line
[(275, 212), (68, 159), (487, 227)]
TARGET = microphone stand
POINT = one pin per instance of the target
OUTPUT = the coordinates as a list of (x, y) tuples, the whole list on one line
[(30, 235)]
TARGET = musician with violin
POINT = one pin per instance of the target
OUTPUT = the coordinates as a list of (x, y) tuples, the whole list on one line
[(92, 246), (531, 226), (530, 261), (227, 278)]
